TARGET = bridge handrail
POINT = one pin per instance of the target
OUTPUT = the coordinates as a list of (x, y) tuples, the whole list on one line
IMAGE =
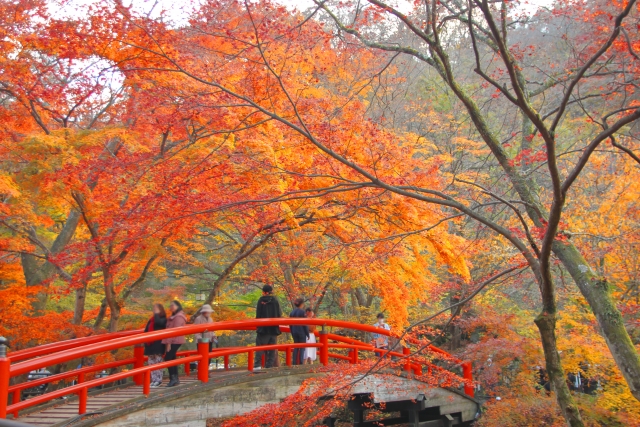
[(71, 374), (135, 338), (83, 387), (44, 349), (349, 340), (113, 344)]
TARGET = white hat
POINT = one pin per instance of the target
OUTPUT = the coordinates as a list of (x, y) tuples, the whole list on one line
[(206, 309)]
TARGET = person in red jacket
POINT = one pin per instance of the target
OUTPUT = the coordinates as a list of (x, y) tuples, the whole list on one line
[(176, 320)]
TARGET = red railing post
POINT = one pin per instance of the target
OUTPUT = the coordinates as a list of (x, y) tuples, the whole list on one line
[(138, 354), (324, 350), (16, 399), (82, 401), (353, 356), (203, 364), (82, 396), (226, 362), (250, 360), (467, 374), (407, 362), (287, 356), (262, 359), (5, 367), (146, 384)]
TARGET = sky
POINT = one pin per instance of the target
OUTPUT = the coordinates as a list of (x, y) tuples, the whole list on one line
[(179, 9)]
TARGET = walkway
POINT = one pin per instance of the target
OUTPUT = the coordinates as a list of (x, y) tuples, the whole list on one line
[(64, 412)]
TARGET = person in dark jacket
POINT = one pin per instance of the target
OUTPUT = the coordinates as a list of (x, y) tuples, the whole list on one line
[(155, 349), (268, 307), (300, 333), (176, 320)]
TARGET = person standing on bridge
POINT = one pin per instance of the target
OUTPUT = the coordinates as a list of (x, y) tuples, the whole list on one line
[(205, 317), (155, 349), (310, 353), (381, 341), (176, 320), (268, 307), (300, 333)]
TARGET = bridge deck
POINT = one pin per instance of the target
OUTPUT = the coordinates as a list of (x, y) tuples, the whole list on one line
[(230, 393), (67, 410)]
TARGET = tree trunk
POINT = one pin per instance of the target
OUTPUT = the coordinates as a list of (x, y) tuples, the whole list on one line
[(244, 252), (78, 311), (115, 318), (111, 298), (101, 313), (605, 310), (35, 272), (31, 269), (596, 291), (318, 302), (546, 323), (609, 318)]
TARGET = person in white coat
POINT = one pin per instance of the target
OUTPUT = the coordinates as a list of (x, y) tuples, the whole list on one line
[(381, 341), (310, 353), (205, 317)]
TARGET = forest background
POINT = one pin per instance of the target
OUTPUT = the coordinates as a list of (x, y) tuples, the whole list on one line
[(469, 166)]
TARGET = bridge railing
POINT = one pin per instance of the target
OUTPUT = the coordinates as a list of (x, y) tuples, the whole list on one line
[(64, 352), (45, 349)]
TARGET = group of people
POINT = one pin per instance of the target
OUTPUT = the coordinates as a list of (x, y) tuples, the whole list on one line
[(268, 307), (166, 349)]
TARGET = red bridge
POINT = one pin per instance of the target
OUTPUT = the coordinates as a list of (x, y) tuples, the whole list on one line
[(47, 410)]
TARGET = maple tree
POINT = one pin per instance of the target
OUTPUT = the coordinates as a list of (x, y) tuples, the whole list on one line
[(360, 155)]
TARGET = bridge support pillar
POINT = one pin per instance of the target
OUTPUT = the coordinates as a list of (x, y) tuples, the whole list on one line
[(414, 417), (203, 364), (5, 374), (138, 354)]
